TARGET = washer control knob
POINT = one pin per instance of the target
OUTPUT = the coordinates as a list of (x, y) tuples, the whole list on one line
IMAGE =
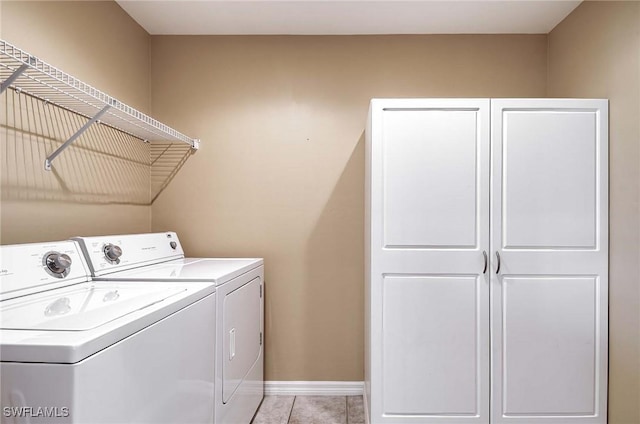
[(112, 252), (58, 264), (173, 245)]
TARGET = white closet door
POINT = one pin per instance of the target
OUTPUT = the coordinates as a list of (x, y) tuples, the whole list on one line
[(549, 221), (429, 295)]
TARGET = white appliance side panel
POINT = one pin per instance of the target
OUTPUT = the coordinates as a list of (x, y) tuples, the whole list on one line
[(432, 352), (549, 345), (161, 374), (549, 221), (430, 178), (242, 317)]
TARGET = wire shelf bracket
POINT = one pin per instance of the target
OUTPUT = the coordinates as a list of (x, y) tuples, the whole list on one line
[(52, 156), (5, 84), (27, 74)]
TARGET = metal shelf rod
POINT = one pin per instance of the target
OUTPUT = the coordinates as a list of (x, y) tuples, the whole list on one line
[(6, 83), (47, 102), (52, 156)]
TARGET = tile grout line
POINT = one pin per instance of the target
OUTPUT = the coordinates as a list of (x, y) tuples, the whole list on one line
[(291, 410), (346, 401)]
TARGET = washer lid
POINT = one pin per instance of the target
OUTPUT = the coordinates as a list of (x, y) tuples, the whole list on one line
[(81, 307), (36, 328)]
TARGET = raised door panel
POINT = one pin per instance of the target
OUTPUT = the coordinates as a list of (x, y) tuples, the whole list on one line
[(550, 333), (549, 236), (432, 357), (549, 179), (430, 176)]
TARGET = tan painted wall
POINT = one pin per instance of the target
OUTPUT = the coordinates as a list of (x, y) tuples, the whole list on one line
[(595, 52), (280, 173), (100, 44), (281, 169)]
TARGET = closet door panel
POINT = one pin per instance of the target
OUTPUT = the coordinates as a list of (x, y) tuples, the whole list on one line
[(431, 348), (549, 226), (549, 344), (430, 178), (549, 179), (429, 297)]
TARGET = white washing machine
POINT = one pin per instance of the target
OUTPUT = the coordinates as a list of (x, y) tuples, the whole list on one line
[(240, 307), (75, 350)]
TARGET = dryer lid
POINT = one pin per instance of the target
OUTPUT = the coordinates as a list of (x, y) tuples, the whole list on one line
[(216, 270), (81, 307)]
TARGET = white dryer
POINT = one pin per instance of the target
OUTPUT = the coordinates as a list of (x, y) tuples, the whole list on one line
[(79, 351), (240, 307)]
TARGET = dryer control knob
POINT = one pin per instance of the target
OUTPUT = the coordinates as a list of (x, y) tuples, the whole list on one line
[(112, 252), (173, 245), (57, 264)]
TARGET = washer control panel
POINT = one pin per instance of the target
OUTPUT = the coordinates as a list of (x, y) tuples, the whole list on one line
[(107, 254), (40, 266)]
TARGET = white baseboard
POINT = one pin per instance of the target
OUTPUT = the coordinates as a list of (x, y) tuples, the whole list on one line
[(314, 388)]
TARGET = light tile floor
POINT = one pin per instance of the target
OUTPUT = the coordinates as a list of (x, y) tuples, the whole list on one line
[(310, 410)]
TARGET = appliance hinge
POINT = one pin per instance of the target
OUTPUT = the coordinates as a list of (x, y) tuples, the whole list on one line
[(261, 338)]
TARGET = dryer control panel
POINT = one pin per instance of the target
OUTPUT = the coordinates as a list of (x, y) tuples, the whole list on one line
[(107, 254), (33, 267)]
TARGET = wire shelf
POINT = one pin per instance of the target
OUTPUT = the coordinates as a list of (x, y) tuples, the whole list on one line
[(26, 73), (103, 166)]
